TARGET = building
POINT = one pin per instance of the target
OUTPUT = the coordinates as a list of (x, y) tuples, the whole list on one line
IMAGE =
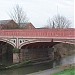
[(27, 26), (8, 24), (11, 24)]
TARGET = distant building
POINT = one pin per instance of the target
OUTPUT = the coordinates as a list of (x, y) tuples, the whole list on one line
[(8, 24), (11, 24), (27, 26)]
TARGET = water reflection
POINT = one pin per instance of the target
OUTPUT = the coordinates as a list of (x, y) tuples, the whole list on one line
[(27, 70), (36, 68), (64, 61)]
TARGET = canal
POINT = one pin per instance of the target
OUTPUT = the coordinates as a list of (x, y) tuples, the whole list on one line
[(37, 68), (26, 70)]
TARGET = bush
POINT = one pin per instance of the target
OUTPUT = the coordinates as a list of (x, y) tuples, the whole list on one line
[(15, 50)]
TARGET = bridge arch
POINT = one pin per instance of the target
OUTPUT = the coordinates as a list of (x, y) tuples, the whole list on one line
[(37, 50), (31, 42), (6, 52), (38, 42), (8, 42), (43, 46), (65, 42), (27, 43)]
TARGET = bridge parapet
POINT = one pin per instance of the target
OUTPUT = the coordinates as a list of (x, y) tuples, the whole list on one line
[(38, 33)]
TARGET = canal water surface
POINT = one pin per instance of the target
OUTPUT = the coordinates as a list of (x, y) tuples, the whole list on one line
[(26, 70), (36, 68)]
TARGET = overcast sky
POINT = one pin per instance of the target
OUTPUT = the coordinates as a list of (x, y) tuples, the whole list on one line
[(39, 11)]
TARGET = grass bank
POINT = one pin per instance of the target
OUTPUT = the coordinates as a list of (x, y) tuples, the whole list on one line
[(66, 72), (70, 71)]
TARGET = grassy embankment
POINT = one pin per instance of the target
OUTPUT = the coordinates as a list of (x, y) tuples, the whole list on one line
[(66, 72)]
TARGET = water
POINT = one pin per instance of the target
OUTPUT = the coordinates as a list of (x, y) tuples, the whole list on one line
[(26, 70), (68, 60), (65, 61), (37, 68)]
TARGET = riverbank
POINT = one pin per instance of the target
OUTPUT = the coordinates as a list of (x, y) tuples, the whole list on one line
[(70, 71), (40, 69), (67, 63), (55, 70), (66, 70)]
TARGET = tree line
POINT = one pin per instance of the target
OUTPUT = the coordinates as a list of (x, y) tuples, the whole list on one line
[(58, 21)]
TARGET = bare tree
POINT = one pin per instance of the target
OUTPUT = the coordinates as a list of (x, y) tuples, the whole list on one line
[(59, 22), (18, 15)]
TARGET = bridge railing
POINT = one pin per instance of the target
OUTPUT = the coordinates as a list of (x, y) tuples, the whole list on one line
[(39, 33)]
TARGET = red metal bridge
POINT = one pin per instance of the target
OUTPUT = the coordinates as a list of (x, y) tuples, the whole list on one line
[(18, 38), (34, 41)]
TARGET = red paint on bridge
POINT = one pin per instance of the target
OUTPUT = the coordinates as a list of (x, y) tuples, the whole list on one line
[(70, 33)]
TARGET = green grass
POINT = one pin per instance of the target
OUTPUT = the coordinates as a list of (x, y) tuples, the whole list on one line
[(66, 72)]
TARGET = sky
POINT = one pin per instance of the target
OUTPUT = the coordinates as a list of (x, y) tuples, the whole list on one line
[(39, 11)]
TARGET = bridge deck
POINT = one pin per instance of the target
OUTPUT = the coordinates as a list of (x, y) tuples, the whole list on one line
[(69, 33)]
